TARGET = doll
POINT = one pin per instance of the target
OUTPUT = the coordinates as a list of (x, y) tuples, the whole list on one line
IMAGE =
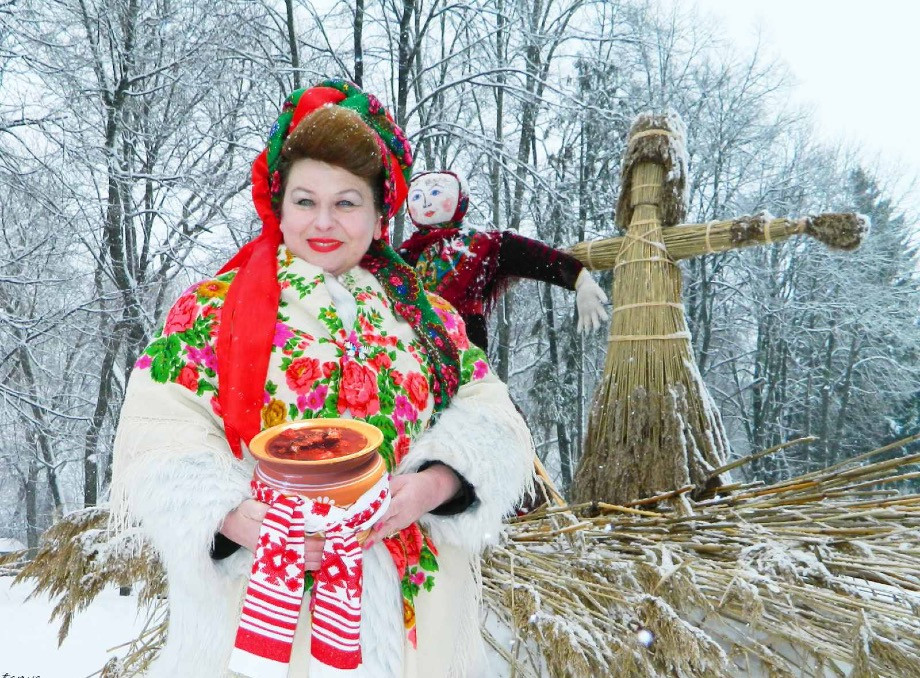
[(471, 269)]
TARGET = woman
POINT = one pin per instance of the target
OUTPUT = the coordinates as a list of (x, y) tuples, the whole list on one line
[(318, 317)]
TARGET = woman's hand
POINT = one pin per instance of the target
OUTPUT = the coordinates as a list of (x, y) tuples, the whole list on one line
[(413, 495), (244, 523)]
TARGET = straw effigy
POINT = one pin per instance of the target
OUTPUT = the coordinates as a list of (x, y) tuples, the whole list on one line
[(653, 424), (813, 576)]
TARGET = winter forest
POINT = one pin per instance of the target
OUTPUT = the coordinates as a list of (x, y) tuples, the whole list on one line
[(127, 131)]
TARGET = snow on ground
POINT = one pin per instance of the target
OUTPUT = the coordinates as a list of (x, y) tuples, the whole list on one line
[(28, 643), (8, 545)]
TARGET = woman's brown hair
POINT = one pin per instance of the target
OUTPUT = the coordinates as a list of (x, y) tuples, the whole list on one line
[(336, 136)]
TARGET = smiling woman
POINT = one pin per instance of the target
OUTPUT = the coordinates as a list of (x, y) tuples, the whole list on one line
[(332, 205), (319, 318)]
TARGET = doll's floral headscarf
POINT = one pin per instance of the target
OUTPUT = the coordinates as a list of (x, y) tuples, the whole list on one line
[(250, 310)]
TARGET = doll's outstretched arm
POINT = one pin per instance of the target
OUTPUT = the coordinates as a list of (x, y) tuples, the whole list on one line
[(521, 257), (526, 258)]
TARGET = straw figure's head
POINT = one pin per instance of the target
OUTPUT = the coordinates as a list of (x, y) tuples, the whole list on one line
[(657, 139), (438, 199)]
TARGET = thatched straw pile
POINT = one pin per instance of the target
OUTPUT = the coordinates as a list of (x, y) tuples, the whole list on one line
[(841, 231), (78, 559), (815, 576)]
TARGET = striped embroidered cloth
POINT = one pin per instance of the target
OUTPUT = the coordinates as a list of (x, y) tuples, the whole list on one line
[(276, 585)]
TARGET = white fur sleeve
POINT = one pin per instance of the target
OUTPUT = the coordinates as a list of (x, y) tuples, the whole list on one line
[(484, 438), (174, 473)]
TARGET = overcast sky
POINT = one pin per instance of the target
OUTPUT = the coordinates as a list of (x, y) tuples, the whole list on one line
[(855, 61)]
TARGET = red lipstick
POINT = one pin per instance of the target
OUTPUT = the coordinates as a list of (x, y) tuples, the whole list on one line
[(324, 244)]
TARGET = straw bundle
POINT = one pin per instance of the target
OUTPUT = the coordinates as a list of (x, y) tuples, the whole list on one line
[(13, 563), (843, 231), (653, 424), (814, 576), (78, 559), (838, 231)]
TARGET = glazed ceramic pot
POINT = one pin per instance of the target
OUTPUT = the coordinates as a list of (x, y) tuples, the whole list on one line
[(341, 479)]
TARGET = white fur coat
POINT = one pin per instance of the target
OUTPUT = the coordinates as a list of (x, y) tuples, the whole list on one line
[(175, 475)]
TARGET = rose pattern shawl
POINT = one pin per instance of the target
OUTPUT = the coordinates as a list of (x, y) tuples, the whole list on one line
[(376, 371)]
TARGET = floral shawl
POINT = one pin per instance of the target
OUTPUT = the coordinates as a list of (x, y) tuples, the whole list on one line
[(375, 371)]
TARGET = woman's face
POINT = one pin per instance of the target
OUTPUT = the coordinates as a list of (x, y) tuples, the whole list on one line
[(433, 199), (328, 216)]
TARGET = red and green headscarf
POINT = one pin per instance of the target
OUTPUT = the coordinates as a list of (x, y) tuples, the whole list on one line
[(250, 310)]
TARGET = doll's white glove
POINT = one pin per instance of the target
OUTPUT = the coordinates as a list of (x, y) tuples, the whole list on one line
[(590, 300)]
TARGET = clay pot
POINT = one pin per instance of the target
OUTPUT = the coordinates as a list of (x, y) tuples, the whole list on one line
[(341, 479)]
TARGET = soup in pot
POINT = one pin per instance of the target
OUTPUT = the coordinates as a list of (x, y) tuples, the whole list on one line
[(315, 444)]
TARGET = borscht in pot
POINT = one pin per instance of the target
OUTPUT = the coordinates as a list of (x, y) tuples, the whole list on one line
[(335, 459)]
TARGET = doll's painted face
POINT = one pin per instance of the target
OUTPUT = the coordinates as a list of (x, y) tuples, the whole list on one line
[(433, 198)]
